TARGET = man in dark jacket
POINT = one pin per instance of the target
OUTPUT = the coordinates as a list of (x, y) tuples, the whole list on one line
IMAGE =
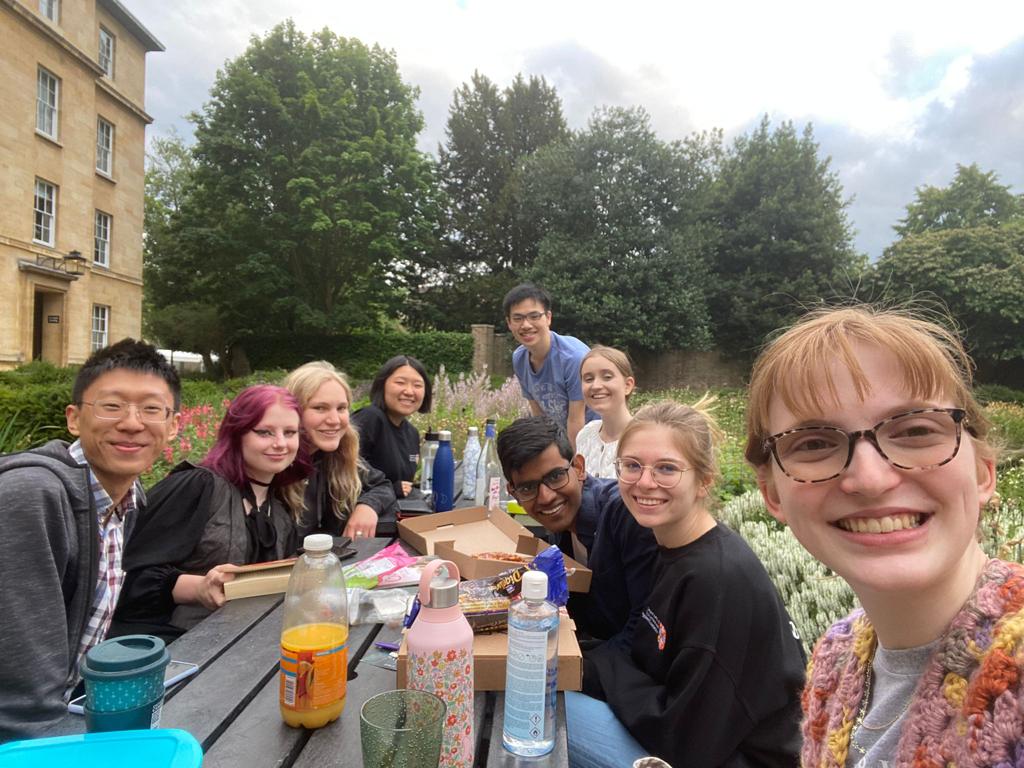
[(67, 510), (592, 524)]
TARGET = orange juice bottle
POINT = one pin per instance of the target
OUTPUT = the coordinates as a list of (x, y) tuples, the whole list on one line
[(314, 638)]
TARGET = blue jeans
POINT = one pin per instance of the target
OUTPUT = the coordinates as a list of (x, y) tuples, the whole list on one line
[(596, 737)]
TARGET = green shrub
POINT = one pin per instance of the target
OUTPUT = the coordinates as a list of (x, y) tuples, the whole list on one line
[(38, 372), (361, 353), (992, 393), (1007, 426)]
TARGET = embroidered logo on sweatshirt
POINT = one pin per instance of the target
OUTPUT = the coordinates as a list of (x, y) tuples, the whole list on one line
[(655, 623)]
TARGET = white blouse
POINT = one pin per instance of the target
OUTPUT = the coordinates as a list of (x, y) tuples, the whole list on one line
[(599, 455)]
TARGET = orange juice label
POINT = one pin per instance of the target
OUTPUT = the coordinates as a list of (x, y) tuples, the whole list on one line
[(314, 665)]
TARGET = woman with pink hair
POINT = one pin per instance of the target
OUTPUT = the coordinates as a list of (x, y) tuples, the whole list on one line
[(203, 521)]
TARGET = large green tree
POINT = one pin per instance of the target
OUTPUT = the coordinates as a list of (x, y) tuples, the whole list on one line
[(309, 197), (623, 251), (783, 241), (974, 198)]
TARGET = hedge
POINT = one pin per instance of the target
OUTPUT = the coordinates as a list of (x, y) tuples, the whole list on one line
[(361, 353)]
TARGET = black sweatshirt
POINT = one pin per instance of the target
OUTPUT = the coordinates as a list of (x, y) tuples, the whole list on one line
[(320, 515), (716, 669), (395, 451)]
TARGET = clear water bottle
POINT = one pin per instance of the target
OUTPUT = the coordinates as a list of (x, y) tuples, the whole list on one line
[(491, 488), (480, 479), (531, 675), (444, 473), (430, 443), (314, 638), (470, 457)]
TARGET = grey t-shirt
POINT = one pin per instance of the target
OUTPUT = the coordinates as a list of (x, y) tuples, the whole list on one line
[(894, 676)]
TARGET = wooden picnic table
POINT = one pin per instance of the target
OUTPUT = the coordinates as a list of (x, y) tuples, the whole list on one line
[(231, 704)]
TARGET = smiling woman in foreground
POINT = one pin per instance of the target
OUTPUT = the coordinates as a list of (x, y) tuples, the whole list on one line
[(870, 445)]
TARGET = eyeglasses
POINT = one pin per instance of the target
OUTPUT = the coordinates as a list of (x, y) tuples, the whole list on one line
[(663, 474), (555, 479), (533, 317), (114, 410), (920, 439)]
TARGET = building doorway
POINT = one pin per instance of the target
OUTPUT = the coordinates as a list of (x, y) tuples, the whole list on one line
[(47, 322)]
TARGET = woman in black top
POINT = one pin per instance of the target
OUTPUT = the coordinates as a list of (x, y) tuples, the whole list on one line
[(344, 496), (387, 441)]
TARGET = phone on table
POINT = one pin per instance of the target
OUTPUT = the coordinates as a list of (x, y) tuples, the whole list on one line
[(176, 672)]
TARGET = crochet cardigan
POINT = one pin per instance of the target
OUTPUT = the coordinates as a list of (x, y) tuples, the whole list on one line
[(968, 708)]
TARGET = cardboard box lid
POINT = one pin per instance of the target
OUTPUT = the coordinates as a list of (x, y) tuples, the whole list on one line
[(460, 534)]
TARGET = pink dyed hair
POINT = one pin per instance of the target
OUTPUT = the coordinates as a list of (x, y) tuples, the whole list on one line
[(244, 413)]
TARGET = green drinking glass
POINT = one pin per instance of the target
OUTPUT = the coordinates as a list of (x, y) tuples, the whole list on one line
[(402, 729)]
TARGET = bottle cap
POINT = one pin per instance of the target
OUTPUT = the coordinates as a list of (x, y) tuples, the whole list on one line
[(444, 593), (491, 420), (445, 436), (431, 435), (535, 585), (318, 542), (474, 430)]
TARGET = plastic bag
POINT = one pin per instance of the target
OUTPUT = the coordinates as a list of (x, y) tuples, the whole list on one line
[(366, 573), (378, 606)]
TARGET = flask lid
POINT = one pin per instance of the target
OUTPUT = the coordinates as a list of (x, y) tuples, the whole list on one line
[(474, 430), (445, 436), (445, 593), (318, 542), (431, 436), (535, 585)]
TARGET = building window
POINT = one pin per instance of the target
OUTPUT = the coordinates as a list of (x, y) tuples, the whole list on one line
[(100, 326), (104, 147), (107, 52), (101, 240), (47, 98), (45, 213), (50, 9)]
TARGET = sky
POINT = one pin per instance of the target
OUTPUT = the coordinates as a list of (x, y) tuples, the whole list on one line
[(898, 92)]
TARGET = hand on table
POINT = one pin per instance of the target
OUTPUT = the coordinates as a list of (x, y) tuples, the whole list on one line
[(361, 523), (406, 488)]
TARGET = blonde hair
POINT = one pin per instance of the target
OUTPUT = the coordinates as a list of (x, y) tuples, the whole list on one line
[(341, 466), (796, 368), (695, 430), (616, 357)]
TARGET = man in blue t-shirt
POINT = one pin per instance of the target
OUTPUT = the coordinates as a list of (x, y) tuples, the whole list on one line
[(546, 364)]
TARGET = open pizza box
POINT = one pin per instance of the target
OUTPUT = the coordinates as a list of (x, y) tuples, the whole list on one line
[(461, 534)]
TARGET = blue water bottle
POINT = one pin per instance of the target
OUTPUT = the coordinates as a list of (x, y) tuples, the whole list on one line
[(444, 473)]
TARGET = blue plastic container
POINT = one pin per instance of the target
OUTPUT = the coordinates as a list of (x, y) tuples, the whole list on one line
[(117, 749)]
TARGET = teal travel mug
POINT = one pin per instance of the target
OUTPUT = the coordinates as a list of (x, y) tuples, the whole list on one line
[(124, 683)]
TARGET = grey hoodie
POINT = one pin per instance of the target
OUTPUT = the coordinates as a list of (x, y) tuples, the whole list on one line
[(49, 562)]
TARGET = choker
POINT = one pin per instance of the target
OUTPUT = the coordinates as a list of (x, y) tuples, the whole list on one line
[(257, 482)]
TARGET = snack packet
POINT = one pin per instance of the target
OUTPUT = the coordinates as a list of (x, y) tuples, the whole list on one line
[(366, 573)]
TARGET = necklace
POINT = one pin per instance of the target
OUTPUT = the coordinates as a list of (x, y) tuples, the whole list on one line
[(863, 712)]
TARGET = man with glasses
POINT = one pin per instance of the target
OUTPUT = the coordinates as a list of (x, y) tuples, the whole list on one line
[(591, 524), (67, 512), (546, 364)]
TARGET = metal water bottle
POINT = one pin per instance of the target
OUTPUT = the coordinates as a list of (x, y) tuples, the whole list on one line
[(444, 473), (440, 644)]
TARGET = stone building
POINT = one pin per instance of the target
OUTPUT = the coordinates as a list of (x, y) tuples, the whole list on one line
[(72, 149)]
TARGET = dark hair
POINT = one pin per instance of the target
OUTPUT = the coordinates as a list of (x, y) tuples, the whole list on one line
[(525, 439), (129, 355), (392, 365), (243, 414), (526, 292)]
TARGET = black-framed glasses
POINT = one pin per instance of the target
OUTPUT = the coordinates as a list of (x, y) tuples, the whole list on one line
[(533, 317), (115, 410), (555, 479), (664, 473), (924, 438)]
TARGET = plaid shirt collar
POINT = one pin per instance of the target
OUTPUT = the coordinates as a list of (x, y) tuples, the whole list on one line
[(105, 507)]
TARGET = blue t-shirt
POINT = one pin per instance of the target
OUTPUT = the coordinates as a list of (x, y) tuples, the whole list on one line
[(557, 383)]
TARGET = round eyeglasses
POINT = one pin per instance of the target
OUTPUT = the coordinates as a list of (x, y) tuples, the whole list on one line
[(920, 439), (664, 474)]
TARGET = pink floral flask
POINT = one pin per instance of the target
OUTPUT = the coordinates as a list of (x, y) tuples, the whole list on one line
[(440, 644)]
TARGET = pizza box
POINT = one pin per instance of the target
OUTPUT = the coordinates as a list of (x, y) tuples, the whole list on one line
[(462, 533), (491, 651)]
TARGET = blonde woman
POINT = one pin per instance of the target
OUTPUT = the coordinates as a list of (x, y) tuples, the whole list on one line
[(608, 382), (343, 496)]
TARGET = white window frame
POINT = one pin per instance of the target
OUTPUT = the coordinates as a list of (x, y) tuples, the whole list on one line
[(44, 229), (104, 146), (47, 103), (100, 330), (102, 227), (107, 47), (50, 9)]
